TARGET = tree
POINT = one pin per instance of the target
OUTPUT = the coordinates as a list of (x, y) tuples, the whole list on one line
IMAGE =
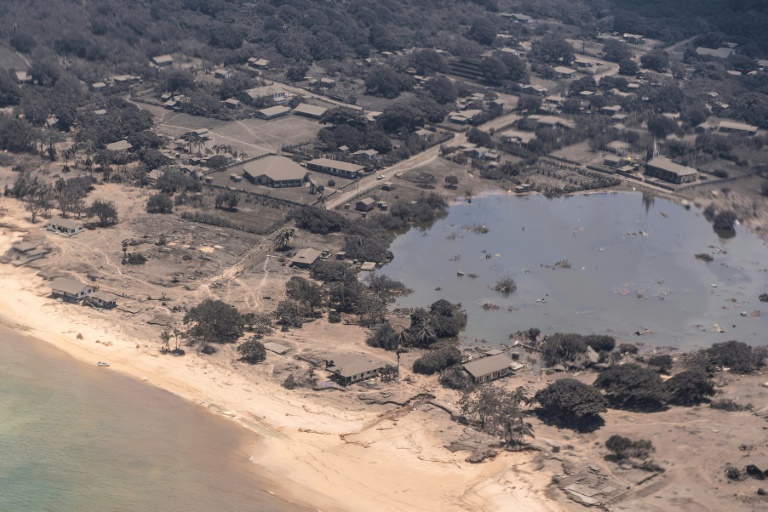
[(505, 285), (623, 448), (656, 60), (493, 69), (105, 211), (305, 292), (498, 412), (283, 239), (10, 94), (386, 82), (451, 181), (661, 126), (297, 73), (735, 355), (573, 403), (441, 89), (214, 321), (483, 31), (553, 49), (632, 387), (479, 137), (616, 51), (252, 351), (690, 387), (289, 314), (724, 220), (227, 200), (160, 203), (628, 67)]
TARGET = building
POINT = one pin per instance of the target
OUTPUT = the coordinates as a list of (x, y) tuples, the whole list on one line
[(64, 226), (553, 122), (98, 86), (464, 116), (275, 172), (258, 63), (617, 147), (103, 300), (305, 258), (273, 112), (232, 103), (516, 17), (633, 38), (162, 61), (367, 154), (534, 89), (726, 126), (489, 368), (564, 72), (350, 368), (307, 110), (71, 289), (222, 73), (335, 167), (272, 92), (24, 252), (667, 170), (610, 110), (365, 205), (121, 145), (615, 161), (518, 137), (717, 53), (23, 77)]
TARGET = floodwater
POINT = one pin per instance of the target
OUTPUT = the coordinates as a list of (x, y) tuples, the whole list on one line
[(632, 270), (78, 438)]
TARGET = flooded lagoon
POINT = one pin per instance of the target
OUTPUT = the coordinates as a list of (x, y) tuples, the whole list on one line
[(632, 269)]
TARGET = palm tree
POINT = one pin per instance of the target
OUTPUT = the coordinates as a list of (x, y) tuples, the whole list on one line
[(425, 333), (283, 238), (403, 340)]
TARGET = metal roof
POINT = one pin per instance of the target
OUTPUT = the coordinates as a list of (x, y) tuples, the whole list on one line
[(668, 165), (68, 285), (336, 164), (487, 365), (276, 168)]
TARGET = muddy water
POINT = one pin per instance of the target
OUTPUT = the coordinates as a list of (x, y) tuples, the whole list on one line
[(632, 269)]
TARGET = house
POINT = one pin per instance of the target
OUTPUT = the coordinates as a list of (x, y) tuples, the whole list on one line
[(489, 368), (553, 122), (633, 38), (564, 72), (368, 266), (305, 258), (272, 92), (615, 161), (365, 205), (121, 145), (273, 112), (275, 172), (335, 167), (23, 77), (464, 116), (618, 147), (307, 110), (610, 110), (516, 17), (277, 348), (717, 53), (534, 89), (70, 289), (100, 112), (232, 103), (125, 79), (162, 61), (222, 73), (367, 154), (350, 368), (64, 226), (525, 187), (726, 126), (583, 63), (103, 300), (98, 86), (424, 134), (517, 137), (326, 82), (667, 170), (24, 252), (258, 63)]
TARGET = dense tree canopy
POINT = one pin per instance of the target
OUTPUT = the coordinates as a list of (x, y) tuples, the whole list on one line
[(572, 403), (214, 321)]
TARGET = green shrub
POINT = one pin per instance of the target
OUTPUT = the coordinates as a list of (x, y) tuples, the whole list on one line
[(437, 360), (632, 387), (690, 387)]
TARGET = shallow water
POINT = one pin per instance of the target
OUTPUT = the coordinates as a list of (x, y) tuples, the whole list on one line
[(632, 269), (78, 438)]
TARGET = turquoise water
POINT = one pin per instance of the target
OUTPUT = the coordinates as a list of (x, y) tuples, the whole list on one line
[(632, 269), (78, 438)]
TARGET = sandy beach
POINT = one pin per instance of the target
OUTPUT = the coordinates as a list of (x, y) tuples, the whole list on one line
[(332, 458)]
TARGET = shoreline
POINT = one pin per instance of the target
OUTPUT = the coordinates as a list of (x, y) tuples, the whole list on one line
[(303, 447)]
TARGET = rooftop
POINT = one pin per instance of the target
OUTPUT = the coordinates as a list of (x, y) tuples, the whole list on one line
[(276, 168), (121, 145), (306, 256), (349, 365), (670, 166), (310, 110), (68, 285), (336, 164), (274, 111), (487, 365)]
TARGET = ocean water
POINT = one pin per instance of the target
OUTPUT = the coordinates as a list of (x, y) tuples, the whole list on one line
[(632, 269), (79, 438)]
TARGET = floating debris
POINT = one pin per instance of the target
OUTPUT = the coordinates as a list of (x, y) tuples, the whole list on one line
[(477, 228)]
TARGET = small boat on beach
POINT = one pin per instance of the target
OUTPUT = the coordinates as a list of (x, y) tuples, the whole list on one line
[(102, 363)]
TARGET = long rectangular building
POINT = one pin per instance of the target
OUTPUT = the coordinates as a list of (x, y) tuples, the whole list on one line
[(335, 167), (667, 170)]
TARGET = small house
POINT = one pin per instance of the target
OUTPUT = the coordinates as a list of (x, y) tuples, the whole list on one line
[(70, 289), (222, 73), (232, 103), (368, 266), (162, 61), (335, 167), (64, 226), (365, 205), (534, 89), (307, 110), (634, 38), (272, 92), (564, 72), (489, 368), (104, 300), (24, 252), (617, 147), (350, 368), (98, 86), (258, 63), (121, 145), (23, 77), (367, 154), (305, 258), (273, 112)]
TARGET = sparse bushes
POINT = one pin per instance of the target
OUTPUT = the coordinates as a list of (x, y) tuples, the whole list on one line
[(623, 448), (160, 203), (505, 285), (384, 337), (662, 363), (600, 342), (724, 220), (728, 405), (437, 360), (738, 357), (563, 348), (135, 258), (627, 348), (329, 271)]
